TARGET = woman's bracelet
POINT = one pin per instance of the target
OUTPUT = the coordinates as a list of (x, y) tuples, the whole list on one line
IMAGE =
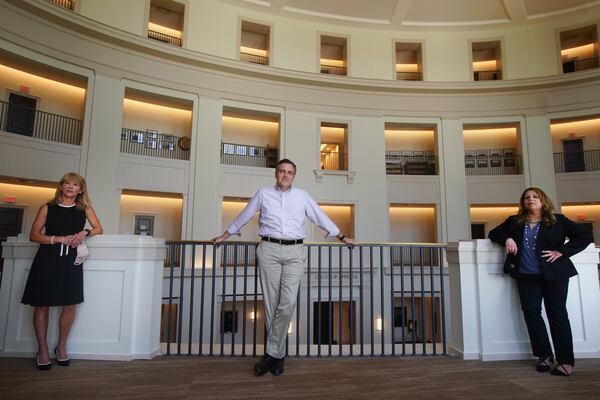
[(52, 240), (341, 238), (87, 232)]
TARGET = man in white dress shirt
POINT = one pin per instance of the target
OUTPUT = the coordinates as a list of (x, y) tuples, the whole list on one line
[(281, 255)]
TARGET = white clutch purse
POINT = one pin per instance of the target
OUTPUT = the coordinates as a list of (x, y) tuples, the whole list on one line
[(82, 254)]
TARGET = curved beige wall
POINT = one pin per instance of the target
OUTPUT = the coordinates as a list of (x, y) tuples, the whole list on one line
[(207, 75)]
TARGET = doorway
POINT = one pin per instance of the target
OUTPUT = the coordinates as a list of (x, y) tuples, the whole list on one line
[(334, 323), (588, 228), (11, 221), (21, 114), (477, 231), (573, 155)]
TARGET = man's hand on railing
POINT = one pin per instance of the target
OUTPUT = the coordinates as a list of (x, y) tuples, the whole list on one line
[(222, 238), (348, 240)]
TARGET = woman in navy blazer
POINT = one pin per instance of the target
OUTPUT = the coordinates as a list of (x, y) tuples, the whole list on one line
[(538, 258)]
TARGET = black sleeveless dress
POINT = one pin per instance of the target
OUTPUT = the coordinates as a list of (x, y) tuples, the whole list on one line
[(54, 279)]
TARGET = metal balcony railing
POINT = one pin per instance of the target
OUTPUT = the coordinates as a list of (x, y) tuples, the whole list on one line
[(333, 70), (587, 160), (39, 124), (487, 75), (409, 76), (153, 144), (161, 37), (334, 161), (410, 162), (68, 4), (368, 300), (254, 59), (579, 64), (249, 155), (481, 162)]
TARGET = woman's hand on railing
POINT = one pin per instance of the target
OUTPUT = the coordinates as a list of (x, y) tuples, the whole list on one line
[(511, 246)]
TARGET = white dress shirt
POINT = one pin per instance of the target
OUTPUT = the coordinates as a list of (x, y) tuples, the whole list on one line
[(282, 214)]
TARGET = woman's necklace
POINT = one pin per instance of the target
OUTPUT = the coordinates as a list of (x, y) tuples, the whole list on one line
[(533, 232)]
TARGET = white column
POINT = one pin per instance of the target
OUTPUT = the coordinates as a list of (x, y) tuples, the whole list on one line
[(454, 209), (103, 151), (204, 201), (538, 162)]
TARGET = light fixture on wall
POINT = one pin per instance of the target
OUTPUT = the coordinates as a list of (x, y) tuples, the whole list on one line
[(379, 324), (290, 329), (252, 315)]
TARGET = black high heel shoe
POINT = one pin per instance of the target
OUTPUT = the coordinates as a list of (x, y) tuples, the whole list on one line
[(561, 370), (544, 364), (63, 362), (43, 367)]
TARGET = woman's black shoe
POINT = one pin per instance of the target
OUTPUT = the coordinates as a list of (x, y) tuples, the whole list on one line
[(560, 370), (63, 362), (544, 364), (43, 367)]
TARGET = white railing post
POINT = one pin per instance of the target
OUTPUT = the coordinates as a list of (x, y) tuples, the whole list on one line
[(487, 323), (120, 316)]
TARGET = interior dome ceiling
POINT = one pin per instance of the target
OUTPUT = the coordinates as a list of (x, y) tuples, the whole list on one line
[(411, 14)]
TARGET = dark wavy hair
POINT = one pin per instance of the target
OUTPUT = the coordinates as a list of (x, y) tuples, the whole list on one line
[(547, 207)]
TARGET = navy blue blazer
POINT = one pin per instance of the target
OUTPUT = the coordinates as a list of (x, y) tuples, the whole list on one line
[(550, 237)]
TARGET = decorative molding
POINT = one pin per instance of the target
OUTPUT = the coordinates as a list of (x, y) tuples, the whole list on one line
[(74, 24), (320, 173)]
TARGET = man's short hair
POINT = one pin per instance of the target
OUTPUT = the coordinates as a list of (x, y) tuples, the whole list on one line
[(285, 161)]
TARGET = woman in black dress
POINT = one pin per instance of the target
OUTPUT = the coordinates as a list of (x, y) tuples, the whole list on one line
[(538, 258), (54, 279)]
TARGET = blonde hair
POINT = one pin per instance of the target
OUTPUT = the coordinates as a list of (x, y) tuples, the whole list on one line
[(547, 207), (82, 201)]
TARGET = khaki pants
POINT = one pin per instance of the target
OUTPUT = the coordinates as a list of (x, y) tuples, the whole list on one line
[(281, 269)]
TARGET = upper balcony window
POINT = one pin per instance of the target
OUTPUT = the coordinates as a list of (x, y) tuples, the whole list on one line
[(68, 4), (410, 149), (579, 49), (487, 61), (165, 23), (492, 150), (249, 138), (576, 144), (254, 43), (408, 61), (334, 55), (156, 125), (41, 102), (334, 147)]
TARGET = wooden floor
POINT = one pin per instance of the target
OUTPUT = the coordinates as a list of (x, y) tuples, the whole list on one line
[(178, 377)]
